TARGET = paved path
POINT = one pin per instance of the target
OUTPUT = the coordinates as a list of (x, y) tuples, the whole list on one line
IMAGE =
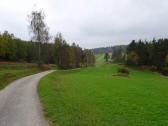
[(19, 103)]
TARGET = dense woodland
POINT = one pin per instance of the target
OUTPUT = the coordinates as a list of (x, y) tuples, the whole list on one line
[(59, 52), (153, 54)]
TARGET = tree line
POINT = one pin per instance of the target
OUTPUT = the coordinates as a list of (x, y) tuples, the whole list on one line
[(59, 52), (152, 54), (71, 56), (149, 53)]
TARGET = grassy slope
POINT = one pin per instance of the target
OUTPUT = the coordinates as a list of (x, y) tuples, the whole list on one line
[(93, 97), (13, 71), (99, 59)]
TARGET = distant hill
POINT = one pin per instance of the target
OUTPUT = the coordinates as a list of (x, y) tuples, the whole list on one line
[(108, 49)]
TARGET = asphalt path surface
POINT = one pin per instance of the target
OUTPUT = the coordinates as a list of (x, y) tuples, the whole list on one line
[(20, 104)]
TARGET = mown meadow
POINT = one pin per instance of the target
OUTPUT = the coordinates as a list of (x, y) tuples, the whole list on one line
[(94, 97)]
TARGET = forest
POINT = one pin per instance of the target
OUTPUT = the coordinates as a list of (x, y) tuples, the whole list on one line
[(58, 52), (152, 54)]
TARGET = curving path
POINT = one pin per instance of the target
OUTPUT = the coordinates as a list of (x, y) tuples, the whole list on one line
[(19, 103)]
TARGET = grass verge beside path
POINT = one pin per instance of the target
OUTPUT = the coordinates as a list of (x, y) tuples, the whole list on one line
[(93, 97), (12, 71)]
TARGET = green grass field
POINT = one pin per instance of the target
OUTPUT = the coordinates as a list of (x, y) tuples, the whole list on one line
[(13, 71), (99, 59), (93, 97)]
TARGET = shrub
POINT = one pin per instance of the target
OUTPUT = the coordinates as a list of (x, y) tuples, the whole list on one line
[(123, 71), (153, 68), (133, 58), (164, 71)]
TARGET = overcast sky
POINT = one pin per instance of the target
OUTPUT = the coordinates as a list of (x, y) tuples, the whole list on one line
[(90, 23)]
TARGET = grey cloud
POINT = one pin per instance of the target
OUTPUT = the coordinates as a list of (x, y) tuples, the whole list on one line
[(91, 23)]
